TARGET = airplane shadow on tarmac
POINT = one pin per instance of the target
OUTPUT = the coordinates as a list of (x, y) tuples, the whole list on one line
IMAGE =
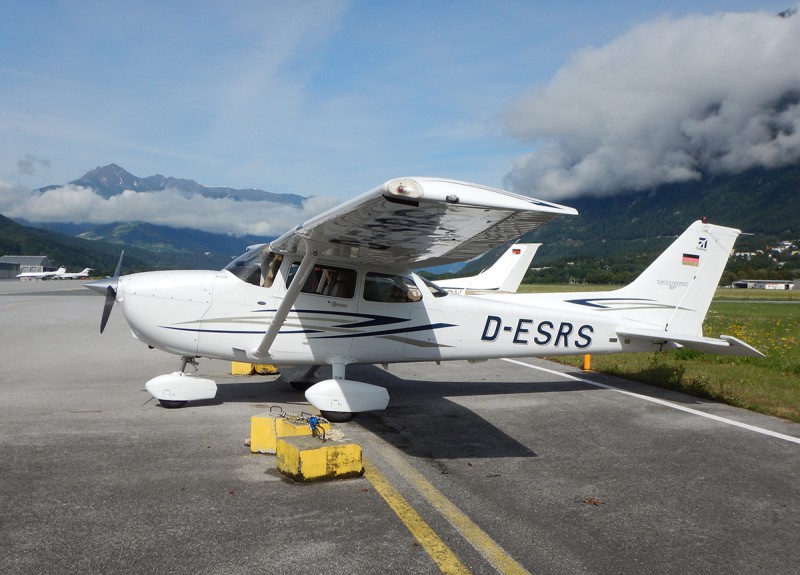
[(420, 419)]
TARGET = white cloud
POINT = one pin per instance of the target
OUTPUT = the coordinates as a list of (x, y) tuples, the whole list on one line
[(666, 102), (169, 208)]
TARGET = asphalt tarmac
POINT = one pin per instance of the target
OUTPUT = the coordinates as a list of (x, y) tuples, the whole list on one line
[(504, 467)]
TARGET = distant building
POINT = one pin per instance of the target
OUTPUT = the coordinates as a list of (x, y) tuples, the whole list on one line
[(765, 284), (11, 266)]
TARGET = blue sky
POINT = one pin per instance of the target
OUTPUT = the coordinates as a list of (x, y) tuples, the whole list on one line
[(331, 98)]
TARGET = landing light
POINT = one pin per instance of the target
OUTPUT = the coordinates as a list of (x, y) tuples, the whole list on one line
[(405, 188)]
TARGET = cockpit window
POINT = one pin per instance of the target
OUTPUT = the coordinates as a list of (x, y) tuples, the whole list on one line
[(257, 266), (247, 267), (389, 288), (326, 280)]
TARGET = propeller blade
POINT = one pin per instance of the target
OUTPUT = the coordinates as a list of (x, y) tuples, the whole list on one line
[(119, 265), (111, 295)]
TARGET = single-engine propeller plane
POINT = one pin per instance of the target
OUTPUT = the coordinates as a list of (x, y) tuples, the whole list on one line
[(338, 290)]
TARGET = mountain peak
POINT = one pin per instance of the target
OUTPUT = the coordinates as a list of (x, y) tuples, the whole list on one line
[(112, 180), (109, 180)]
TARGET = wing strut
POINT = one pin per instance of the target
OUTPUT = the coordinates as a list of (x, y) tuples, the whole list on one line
[(262, 351)]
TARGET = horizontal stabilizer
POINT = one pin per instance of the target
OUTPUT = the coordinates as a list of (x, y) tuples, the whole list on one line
[(725, 345)]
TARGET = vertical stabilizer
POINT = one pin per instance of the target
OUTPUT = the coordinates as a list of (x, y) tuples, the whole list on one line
[(676, 289), (504, 275)]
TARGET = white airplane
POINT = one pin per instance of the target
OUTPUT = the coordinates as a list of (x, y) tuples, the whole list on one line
[(41, 275), (338, 290), (503, 276), (73, 275)]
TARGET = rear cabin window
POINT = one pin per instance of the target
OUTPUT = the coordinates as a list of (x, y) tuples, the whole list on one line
[(389, 288), (327, 280)]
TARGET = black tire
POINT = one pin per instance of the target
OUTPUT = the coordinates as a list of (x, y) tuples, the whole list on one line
[(172, 404), (338, 416)]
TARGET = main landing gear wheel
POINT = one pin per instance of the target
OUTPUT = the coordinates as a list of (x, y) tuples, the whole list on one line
[(172, 404), (337, 416)]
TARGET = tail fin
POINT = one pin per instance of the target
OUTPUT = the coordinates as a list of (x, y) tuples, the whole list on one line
[(504, 275), (679, 285), (671, 297)]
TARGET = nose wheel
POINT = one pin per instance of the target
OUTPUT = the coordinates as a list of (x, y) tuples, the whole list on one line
[(172, 404), (174, 390), (337, 416)]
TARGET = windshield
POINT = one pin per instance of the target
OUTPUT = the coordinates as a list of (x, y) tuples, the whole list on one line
[(251, 257), (247, 266)]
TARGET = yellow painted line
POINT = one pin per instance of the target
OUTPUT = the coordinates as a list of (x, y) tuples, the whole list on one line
[(477, 537), (441, 554)]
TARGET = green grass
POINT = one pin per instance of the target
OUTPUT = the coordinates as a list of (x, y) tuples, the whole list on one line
[(769, 385)]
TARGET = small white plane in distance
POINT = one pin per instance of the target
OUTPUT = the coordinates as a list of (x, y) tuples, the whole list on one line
[(504, 276), (73, 275), (339, 290), (41, 275)]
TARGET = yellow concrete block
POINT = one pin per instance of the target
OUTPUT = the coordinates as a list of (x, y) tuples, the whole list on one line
[(262, 433), (265, 369), (266, 428), (307, 459), (241, 368)]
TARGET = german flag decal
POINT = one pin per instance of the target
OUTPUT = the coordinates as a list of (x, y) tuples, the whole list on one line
[(691, 260)]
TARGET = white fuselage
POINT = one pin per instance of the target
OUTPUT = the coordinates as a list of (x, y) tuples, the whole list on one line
[(217, 315)]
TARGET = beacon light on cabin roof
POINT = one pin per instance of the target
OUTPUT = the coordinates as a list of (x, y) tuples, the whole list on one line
[(405, 188)]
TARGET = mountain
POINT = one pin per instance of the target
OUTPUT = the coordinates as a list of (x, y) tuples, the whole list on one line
[(765, 203), (112, 180), (166, 247), (73, 253), (614, 238), (611, 240)]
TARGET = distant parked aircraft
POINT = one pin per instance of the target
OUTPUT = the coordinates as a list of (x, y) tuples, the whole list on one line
[(60, 274), (73, 275), (503, 277), (41, 275)]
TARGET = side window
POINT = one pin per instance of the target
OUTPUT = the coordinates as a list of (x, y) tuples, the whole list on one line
[(326, 280), (389, 288)]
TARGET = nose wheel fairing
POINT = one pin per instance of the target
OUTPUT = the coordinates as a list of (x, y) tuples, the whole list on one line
[(177, 388)]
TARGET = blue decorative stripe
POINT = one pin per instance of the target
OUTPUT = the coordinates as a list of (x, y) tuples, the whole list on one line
[(637, 302), (367, 321), (430, 326)]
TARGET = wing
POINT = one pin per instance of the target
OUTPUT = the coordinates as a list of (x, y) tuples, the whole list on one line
[(414, 222)]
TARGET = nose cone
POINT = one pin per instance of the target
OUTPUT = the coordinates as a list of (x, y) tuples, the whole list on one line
[(101, 286)]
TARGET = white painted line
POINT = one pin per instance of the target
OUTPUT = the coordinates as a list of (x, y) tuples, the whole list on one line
[(662, 402)]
